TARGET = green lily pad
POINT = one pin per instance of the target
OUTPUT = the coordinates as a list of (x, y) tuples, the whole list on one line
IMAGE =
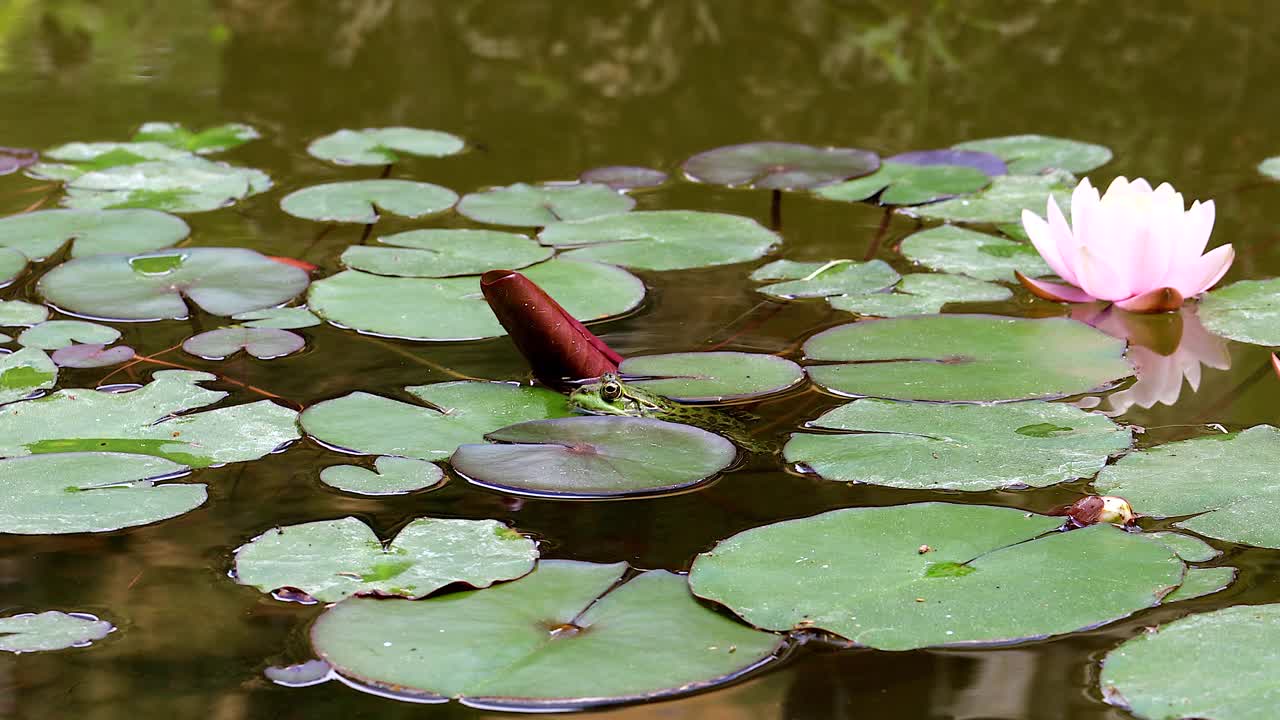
[(25, 372), (50, 630), (16, 313), (1270, 167), (364, 201), (542, 205), (907, 184), (1187, 547), (382, 146), (12, 263), (334, 559), (151, 286), (1034, 154), (957, 447), (185, 185), (1222, 665), (285, 318), (922, 294), (712, 376), (79, 492), (965, 358), (1003, 201), (838, 277), (594, 457), (967, 252), (262, 343), (445, 253), (55, 334), (779, 165), (209, 140), (568, 636), (1200, 582), (77, 158), (392, 476), (989, 576), (662, 239), (152, 420), (451, 414), (454, 309), (1169, 481), (92, 355), (92, 232), (1247, 311)]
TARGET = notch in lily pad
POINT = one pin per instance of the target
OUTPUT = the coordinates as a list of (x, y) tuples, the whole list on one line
[(40, 234), (543, 205), (825, 279), (712, 377), (261, 343), (209, 140), (364, 201), (188, 184), (978, 255), (390, 476), (383, 146), (662, 239), (922, 294), (1035, 154), (445, 253), (920, 177), (1002, 201)]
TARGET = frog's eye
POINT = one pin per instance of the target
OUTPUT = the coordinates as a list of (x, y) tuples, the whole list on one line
[(611, 390)]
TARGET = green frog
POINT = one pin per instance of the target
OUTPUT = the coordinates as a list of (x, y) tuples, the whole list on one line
[(611, 396)]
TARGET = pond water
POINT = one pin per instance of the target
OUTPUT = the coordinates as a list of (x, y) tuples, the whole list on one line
[(544, 90)]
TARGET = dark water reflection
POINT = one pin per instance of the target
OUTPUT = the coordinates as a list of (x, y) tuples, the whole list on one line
[(1181, 91)]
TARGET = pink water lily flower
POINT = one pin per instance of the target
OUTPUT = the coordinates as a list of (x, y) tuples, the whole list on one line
[(1134, 246)]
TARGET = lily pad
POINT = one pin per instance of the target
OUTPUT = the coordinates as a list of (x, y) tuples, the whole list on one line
[(594, 457), (1003, 201), (990, 575), (55, 334), (898, 183), (922, 294), (334, 559), (151, 286), (185, 185), (1247, 311), (209, 140), (984, 161), (12, 263), (1187, 547), (78, 492), (706, 377), (542, 205), (15, 313), (625, 177), (1034, 154), (451, 414), (454, 309), (838, 277), (152, 420), (262, 343), (568, 636), (285, 318), (445, 253), (92, 355), (1222, 665), (1200, 582), (392, 476), (663, 239), (382, 146), (779, 165), (1169, 481), (364, 201), (967, 252), (965, 358), (1270, 167), (50, 630), (14, 159), (957, 447), (25, 372), (40, 234), (75, 159)]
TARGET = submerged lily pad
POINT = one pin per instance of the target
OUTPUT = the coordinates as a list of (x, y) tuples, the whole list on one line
[(92, 232), (968, 252), (55, 334), (262, 343), (1034, 154), (965, 358), (285, 318), (12, 263), (779, 165), (50, 630), (957, 447), (454, 309), (77, 158), (209, 140), (1222, 665), (662, 239), (452, 413), (594, 457), (712, 376), (1003, 201), (92, 355), (364, 201), (991, 575), (445, 253), (625, 177), (334, 559), (152, 420), (922, 294), (151, 286), (1247, 311), (18, 313), (838, 277), (382, 146), (78, 492), (898, 183), (542, 205), (25, 372), (568, 636), (1169, 481), (184, 185), (391, 476)]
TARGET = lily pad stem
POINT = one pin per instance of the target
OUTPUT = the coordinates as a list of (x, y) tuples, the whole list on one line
[(153, 358), (873, 248), (775, 210)]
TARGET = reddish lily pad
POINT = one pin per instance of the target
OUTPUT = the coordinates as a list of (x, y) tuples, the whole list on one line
[(92, 355), (262, 343), (625, 177), (779, 165)]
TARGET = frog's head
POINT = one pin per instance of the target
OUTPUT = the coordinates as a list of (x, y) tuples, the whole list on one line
[(610, 396)]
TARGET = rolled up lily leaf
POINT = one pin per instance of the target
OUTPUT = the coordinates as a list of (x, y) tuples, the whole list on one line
[(557, 347)]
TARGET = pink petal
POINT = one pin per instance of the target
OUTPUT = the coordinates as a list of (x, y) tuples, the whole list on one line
[(1205, 272), (1066, 240), (1153, 301), (1098, 279), (1198, 225), (1055, 292), (1046, 244)]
